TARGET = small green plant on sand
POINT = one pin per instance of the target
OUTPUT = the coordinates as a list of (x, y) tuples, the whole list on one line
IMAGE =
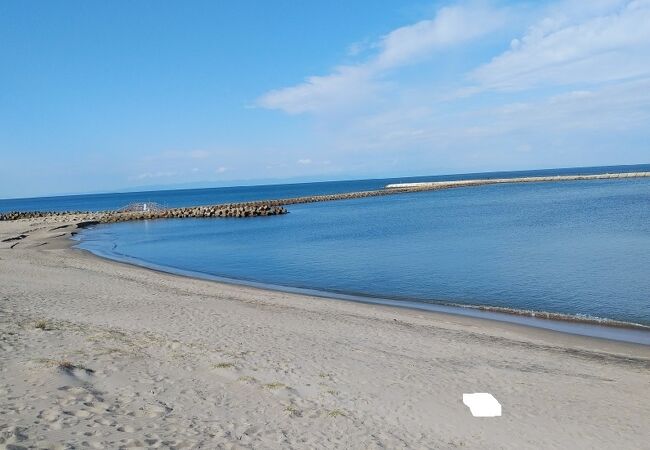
[(292, 411), (336, 413), (247, 379), (224, 365), (41, 325), (273, 386)]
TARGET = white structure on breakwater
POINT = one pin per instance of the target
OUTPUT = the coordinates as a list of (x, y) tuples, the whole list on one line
[(143, 207)]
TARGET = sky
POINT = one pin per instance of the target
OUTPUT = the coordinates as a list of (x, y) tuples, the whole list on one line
[(112, 96)]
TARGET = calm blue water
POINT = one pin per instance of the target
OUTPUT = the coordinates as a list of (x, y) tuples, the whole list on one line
[(578, 248)]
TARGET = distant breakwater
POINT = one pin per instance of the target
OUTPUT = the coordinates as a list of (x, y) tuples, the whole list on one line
[(404, 188), (432, 185), (276, 207)]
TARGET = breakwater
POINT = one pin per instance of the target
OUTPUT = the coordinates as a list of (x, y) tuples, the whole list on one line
[(277, 206), (404, 188), (251, 209), (432, 185)]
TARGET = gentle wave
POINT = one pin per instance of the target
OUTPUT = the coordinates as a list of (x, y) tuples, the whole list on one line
[(576, 318)]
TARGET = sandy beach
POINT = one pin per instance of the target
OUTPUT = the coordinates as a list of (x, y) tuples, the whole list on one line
[(105, 355)]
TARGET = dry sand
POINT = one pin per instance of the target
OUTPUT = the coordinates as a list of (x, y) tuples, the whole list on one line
[(106, 355)]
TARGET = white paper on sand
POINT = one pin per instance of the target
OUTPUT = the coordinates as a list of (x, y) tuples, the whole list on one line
[(482, 404)]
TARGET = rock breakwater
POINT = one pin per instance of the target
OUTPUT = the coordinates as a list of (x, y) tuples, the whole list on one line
[(252, 209)]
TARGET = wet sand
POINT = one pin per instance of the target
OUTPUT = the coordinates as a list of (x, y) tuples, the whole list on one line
[(102, 354)]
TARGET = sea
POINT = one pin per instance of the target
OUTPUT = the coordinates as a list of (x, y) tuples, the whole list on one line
[(572, 256)]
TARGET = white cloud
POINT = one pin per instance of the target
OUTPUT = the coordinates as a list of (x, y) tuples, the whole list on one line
[(402, 46), (590, 59), (616, 108), (182, 164), (357, 48), (568, 48), (304, 161), (452, 25), (149, 175), (346, 84)]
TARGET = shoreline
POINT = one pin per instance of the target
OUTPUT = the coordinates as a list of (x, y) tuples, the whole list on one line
[(576, 323), (68, 241), (106, 354), (571, 324), (300, 294), (593, 327)]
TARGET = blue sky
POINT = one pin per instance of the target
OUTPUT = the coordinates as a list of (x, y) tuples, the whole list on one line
[(100, 96)]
